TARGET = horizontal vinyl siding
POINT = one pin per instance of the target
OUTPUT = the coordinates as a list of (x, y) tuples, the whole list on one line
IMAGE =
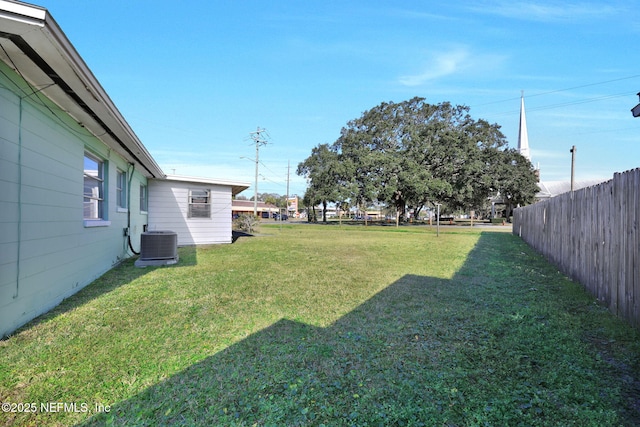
[(168, 210), (57, 255), (9, 149)]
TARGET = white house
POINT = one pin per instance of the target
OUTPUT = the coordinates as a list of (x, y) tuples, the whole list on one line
[(197, 209), (549, 189), (76, 184)]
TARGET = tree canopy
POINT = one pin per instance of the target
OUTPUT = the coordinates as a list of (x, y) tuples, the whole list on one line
[(411, 153)]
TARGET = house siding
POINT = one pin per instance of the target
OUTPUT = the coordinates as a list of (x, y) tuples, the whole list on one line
[(168, 210), (47, 253)]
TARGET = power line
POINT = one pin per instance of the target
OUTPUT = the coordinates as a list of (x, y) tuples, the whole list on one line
[(586, 85), (35, 95), (583, 101), (566, 104), (559, 90)]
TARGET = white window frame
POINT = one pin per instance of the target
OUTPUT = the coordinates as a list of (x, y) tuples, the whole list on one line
[(199, 203), (144, 198), (94, 201), (121, 190)]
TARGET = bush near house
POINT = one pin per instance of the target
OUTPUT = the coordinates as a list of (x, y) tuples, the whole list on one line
[(246, 223)]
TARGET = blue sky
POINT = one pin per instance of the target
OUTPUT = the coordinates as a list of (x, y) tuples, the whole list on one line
[(194, 78)]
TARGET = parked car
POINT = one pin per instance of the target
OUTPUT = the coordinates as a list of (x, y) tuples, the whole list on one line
[(361, 217)]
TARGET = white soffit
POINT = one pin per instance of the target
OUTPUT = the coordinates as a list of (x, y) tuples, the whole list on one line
[(46, 58)]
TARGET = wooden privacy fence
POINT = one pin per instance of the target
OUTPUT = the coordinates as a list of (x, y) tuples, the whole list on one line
[(592, 236)]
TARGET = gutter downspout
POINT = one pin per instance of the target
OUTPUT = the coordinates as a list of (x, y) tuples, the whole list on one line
[(19, 249), (133, 169)]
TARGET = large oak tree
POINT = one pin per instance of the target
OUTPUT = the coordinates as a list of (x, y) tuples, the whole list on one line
[(411, 153)]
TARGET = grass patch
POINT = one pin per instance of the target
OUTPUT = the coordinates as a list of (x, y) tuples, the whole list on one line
[(312, 325)]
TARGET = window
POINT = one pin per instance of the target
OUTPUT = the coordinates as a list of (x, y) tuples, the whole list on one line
[(199, 204), (93, 187), (144, 199), (121, 189)]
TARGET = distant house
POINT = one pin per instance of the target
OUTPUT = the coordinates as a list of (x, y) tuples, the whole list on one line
[(77, 187), (549, 189), (199, 210), (263, 210)]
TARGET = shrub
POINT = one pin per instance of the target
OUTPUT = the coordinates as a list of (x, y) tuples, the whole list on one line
[(246, 223)]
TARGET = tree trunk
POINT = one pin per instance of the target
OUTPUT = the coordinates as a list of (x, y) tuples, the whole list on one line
[(324, 211), (364, 213), (416, 212)]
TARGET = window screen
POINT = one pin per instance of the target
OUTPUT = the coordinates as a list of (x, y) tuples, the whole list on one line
[(199, 204)]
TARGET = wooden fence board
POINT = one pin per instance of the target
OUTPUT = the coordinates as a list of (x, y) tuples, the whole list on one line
[(593, 236)]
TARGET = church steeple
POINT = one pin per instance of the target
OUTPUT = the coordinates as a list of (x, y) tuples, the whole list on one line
[(523, 137)]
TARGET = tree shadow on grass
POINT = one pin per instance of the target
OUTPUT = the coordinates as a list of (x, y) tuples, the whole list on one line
[(479, 349)]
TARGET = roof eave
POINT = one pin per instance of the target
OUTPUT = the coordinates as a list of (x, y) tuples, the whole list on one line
[(73, 87), (236, 186)]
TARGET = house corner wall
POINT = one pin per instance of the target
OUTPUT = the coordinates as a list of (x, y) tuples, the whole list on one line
[(168, 210), (48, 251)]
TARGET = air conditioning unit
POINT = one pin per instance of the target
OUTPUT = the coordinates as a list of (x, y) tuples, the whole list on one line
[(158, 248)]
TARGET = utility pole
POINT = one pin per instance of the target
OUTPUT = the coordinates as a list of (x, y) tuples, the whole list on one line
[(259, 140), (287, 197), (573, 164)]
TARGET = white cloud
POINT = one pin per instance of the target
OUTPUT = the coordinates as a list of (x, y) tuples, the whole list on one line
[(439, 65), (546, 12), (455, 61)]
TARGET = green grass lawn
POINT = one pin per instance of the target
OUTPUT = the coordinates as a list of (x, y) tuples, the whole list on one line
[(313, 325)]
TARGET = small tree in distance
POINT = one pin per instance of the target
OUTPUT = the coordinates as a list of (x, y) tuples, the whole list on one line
[(324, 173)]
